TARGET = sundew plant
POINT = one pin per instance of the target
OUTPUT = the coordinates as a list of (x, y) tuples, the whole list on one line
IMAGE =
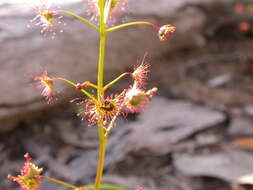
[(100, 109)]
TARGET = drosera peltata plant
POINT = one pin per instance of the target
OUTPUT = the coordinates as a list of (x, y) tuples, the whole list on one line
[(98, 109)]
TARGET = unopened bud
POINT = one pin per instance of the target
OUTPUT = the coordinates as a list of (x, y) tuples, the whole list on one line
[(136, 99), (151, 92), (46, 84), (165, 31), (30, 178), (82, 86)]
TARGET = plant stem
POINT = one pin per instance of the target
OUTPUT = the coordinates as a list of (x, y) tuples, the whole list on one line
[(100, 79), (92, 85), (102, 149), (74, 85), (131, 24), (116, 80), (100, 94), (60, 182), (80, 18), (105, 187)]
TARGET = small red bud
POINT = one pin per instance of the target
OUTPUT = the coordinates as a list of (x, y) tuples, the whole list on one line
[(82, 86), (165, 31)]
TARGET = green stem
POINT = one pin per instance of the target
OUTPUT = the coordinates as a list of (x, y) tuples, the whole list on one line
[(105, 187), (100, 94), (102, 149), (115, 80), (92, 85), (82, 90), (80, 18), (131, 24), (86, 84), (60, 182), (100, 78)]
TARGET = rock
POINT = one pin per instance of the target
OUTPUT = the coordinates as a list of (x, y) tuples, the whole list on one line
[(244, 183), (73, 54), (168, 122), (221, 98), (161, 125), (219, 80), (241, 125), (226, 165), (85, 166), (249, 110)]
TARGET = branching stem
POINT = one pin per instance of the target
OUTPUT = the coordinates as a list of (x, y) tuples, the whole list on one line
[(60, 182), (131, 24), (105, 187), (82, 90), (116, 80), (80, 18)]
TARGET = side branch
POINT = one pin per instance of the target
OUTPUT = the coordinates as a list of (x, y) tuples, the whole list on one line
[(131, 24), (60, 182), (105, 187), (76, 86), (81, 19), (116, 80)]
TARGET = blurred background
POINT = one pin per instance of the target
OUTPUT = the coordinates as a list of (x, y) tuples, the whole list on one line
[(196, 134)]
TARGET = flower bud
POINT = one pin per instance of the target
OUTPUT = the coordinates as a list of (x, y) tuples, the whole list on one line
[(140, 74), (46, 84), (136, 99), (30, 177), (47, 19), (165, 31), (82, 86)]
